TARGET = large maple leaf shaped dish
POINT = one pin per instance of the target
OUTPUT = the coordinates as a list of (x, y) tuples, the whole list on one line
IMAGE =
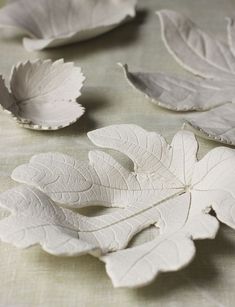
[(168, 189), (206, 57), (52, 23)]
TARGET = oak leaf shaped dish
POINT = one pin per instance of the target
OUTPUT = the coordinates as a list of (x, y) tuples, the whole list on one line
[(204, 56), (52, 23), (168, 189), (43, 94)]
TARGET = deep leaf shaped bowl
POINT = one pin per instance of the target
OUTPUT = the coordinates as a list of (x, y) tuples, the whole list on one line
[(52, 23), (43, 94)]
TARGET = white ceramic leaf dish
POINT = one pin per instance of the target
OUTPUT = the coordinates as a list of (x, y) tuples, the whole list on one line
[(53, 23), (43, 94), (168, 189), (211, 92)]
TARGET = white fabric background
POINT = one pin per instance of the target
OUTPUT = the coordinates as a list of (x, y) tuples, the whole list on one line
[(33, 278)]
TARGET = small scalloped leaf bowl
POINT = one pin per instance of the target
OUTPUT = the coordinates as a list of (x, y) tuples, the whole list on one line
[(52, 23), (43, 94)]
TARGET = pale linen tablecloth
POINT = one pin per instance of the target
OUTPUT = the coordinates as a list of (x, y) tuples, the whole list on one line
[(33, 278)]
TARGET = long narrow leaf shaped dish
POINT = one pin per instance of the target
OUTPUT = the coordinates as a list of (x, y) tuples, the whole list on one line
[(43, 94), (213, 94), (168, 189), (52, 23)]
